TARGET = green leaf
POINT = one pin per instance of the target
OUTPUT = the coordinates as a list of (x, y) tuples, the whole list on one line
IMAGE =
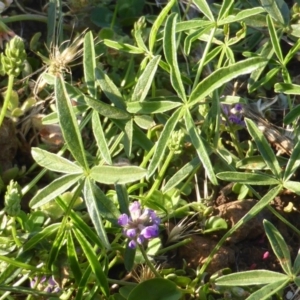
[(225, 9), (80, 224), (278, 10), (100, 138), (293, 186), (156, 288), (87, 248), (109, 89), (267, 291), (129, 256), (205, 9), (55, 188), (200, 148), (73, 259), (107, 110), (93, 197), (292, 115), (54, 162), (117, 175), (222, 76), (89, 63), (248, 178), (181, 174), (144, 121), (163, 141), (248, 278), (123, 47), (145, 80), (41, 236), (170, 51), (274, 39), (151, 107), (69, 123), (128, 137), (264, 148), (192, 24), (287, 88), (257, 163), (296, 266), (157, 23), (19, 264), (279, 247), (242, 15), (293, 163)]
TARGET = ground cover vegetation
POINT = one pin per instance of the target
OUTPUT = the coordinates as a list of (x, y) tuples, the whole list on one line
[(149, 149)]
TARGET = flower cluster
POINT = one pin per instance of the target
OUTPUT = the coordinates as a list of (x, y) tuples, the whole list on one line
[(47, 285), (234, 114), (140, 226)]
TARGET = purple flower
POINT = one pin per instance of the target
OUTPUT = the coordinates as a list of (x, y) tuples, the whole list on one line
[(49, 286), (233, 113), (141, 225)]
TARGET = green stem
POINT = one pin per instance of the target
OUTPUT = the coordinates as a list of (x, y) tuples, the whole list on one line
[(203, 59), (7, 97), (148, 262), (161, 174), (14, 232), (172, 247)]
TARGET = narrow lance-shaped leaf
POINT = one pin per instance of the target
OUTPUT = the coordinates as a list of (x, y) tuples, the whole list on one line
[(279, 247), (92, 204), (54, 189), (73, 259), (157, 23), (128, 137), (199, 146), (69, 124), (267, 291), (222, 76), (170, 50), (274, 39), (93, 262), (264, 148), (278, 10), (248, 178), (109, 89), (89, 63), (163, 141), (100, 138), (145, 80), (293, 163), (117, 175), (151, 107), (248, 278), (107, 110), (54, 162), (204, 8)]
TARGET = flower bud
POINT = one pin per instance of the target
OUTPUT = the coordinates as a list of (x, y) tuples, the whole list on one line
[(12, 199), (14, 58)]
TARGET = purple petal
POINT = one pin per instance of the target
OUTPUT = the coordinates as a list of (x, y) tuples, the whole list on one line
[(131, 232), (132, 244), (135, 210), (123, 220), (225, 109), (154, 218), (150, 232), (238, 107), (140, 239)]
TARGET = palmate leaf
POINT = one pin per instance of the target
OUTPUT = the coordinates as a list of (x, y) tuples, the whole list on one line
[(69, 124)]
